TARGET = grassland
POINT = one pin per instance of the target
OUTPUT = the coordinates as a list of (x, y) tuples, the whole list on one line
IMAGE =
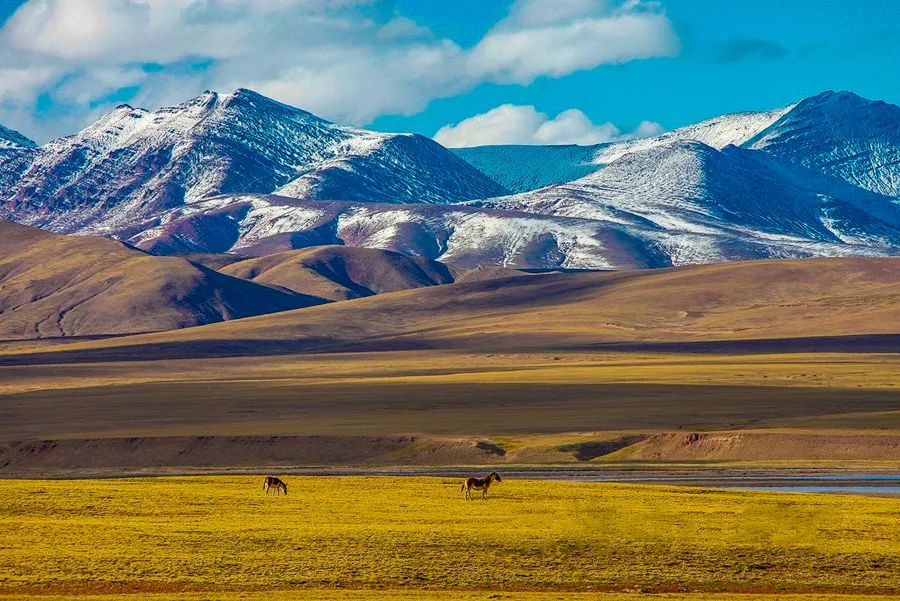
[(441, 393), (220, 536)]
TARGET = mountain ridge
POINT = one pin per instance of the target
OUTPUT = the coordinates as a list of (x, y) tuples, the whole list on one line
[(245, 174), (132, 163)]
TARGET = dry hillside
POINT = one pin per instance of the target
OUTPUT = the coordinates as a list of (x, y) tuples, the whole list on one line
[(342, 272), (52, 285)]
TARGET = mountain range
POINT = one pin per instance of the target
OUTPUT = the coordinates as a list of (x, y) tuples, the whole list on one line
[(241, 173), (133, 163)]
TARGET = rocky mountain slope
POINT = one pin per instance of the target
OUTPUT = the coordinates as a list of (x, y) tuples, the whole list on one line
[(132, 163), (53, 285)]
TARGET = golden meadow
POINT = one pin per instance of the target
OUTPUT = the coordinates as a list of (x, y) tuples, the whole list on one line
[(416, 537)]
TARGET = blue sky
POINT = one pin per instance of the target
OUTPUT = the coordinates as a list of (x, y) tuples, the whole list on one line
[(414, 65)]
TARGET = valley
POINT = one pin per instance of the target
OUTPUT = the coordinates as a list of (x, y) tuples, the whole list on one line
[(504, 361)]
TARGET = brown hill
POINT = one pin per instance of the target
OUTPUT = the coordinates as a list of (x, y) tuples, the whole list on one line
[(341, 272), (212, 260), (695, 305), (52, 285)]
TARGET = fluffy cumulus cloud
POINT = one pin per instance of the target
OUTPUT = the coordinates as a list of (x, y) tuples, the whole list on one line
[(523, 124), (348, 60), (561, 37)]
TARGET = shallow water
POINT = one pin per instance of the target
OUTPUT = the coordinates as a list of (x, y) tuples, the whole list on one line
[(818, 482), (841, 489)]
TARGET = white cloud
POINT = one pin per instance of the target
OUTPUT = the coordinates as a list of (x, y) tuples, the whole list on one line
[(559, 38), (523, 124), (347, 60)]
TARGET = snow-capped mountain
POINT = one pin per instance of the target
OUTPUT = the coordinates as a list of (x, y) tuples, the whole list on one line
[(525, 168), (133, 163), (836, 133), (840, 134), (375, 167), (734, 129), (731, 194)]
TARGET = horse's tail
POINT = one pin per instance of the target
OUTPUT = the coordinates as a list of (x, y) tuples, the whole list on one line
[(463, 487)]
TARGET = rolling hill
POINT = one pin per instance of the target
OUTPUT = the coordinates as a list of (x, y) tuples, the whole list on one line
[(573, 357), (54, 286), (733, 303), (340, 273)]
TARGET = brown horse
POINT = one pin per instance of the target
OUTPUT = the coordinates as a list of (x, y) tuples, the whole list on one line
[(481, 484), (276, 483)]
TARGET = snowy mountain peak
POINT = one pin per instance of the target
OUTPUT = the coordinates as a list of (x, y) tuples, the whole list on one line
[(132, 163), (837, 97), (703, 204), (840, 134)]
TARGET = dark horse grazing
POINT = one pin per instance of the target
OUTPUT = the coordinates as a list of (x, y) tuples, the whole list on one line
[(481, 484), (276, 483)]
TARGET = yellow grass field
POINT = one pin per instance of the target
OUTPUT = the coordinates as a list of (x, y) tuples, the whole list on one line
[(385, 538)]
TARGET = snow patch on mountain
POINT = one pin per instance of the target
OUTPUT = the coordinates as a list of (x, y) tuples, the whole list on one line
[(718, 132), (464, 235), (10, 138), (373, 167)]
